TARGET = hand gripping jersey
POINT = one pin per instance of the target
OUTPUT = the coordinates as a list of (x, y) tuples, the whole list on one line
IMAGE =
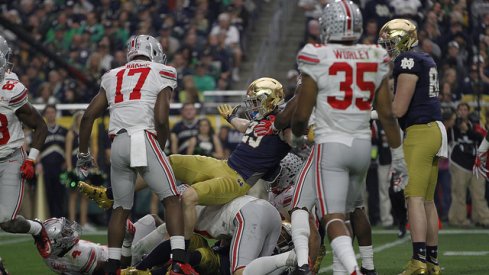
[(132, 91), (347, 78), (425, 105), (13, 95), (217, 221), (81, 259), (258, 157)]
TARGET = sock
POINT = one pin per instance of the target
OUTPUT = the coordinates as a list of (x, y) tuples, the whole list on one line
[(432, 253), (300, 235), (157, 257), (178, 248), (187, 244), (419, 251), (35, 228), (115, 253), (265, 265), (338, 268), (343, 249), (367, 255)]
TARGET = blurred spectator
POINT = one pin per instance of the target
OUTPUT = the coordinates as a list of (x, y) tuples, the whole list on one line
[(409, 9), (232, 40), (369, 36), (292, 78), (378, 10), (206, 142), (71, 152), (230, 138), (45, 95), (202, 79), (313, 32), (189, 93), (464, 143), (312, 10), (53, 162), (185, 129), (443, 193)]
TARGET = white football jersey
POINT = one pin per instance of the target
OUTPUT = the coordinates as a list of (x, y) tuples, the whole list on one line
[(347, 78), (80, 259), (131, 92), (217, 221), (13, 95), (282, 200)]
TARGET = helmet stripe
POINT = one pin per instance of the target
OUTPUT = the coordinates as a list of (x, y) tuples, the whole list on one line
[(348, 15)]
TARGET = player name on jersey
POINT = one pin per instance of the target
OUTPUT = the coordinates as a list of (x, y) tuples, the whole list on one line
[(348, 54)]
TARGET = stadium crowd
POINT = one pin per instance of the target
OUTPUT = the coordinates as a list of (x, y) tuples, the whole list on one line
[(202, 39)]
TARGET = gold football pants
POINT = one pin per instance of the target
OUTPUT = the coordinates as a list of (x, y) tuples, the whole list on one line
[(421, 145), (214, 181)]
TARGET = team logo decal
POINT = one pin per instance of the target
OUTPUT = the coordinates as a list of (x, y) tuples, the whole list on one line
[(240, 182), (407, 63)]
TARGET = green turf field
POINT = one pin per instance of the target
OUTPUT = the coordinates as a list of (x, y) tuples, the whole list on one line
[(461, 252)]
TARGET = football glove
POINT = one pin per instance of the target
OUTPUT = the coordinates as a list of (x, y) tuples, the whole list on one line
[(227, 112), (83, 165), (27, 170), (265, 127), (398, 171)]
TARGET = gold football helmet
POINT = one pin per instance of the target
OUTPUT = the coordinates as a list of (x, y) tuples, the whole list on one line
[(397, 36), (262, 97)]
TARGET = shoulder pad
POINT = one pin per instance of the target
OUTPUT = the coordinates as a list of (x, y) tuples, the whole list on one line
[(309, 54)]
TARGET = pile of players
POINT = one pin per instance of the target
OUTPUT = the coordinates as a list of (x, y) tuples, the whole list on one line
[(340, 82)]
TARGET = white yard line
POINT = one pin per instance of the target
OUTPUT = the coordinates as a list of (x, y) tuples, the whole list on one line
[(377, 249), (465, 253)]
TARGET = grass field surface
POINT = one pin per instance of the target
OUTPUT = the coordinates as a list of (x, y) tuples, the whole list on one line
[(461, 252)]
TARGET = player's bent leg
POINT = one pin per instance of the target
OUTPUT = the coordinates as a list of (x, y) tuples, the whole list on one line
[(190, 199), (300, 235), (363, 231), (269, 264), (340, 240)]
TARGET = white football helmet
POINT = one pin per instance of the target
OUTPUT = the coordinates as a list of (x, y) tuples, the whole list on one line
[(3, 66), (63, 234), (6, 51), (145, 45), (341, 20), (291, 165)]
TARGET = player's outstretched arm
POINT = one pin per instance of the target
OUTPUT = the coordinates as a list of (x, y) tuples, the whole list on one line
[(162, 111), (94, 110), (406, 84), (31, 117), (305, 103), (230, 115)]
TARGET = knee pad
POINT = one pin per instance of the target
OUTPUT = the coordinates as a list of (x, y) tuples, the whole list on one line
[(146, 220)]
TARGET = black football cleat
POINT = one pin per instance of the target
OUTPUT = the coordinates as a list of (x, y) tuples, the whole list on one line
[(365, 271), (302, 270)]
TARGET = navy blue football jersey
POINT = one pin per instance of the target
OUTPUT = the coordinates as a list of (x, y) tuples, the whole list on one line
[(258, 157), (425, 105)]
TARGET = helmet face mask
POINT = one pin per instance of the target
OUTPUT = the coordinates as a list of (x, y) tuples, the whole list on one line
[(397, 36), (145, 45), (341, 21), (263, 97), (63, 234), (3, 66), (7, 53)]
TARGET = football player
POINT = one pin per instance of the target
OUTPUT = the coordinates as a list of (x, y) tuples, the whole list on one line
[(138, 96), (15, 166), (7, 53), (71, 255), (340, 79), (214, 182), (417, 106)]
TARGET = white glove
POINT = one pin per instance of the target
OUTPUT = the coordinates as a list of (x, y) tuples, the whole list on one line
[(398, 171)]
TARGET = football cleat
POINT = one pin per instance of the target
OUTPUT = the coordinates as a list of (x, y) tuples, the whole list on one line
[(433, 269), (3, 271), (96, 193), (302, 270), (133, 271), (182, 269), (42, 241), (365, 271), (414, 267)]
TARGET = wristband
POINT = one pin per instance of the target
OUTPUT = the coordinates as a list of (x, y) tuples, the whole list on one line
[(397, 153), (33, 154), (83, 155)]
